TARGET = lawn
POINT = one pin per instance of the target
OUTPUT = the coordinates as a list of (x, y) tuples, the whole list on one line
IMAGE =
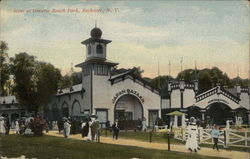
[(48, 147), (162, 138)]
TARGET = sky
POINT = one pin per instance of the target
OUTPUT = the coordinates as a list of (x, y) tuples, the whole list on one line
[(144, 33)]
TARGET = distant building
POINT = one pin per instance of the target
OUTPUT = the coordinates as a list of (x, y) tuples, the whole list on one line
[(9, 108)]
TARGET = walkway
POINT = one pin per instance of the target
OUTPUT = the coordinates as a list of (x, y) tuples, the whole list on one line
[(180, 148)]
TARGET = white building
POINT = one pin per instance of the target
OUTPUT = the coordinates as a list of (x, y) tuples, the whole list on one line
[(214, 106), (110, 97)]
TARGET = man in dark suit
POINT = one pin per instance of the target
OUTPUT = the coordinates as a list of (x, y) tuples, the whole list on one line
[(115, 128)]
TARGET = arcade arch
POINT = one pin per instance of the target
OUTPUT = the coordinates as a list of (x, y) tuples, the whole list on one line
[(128, 107), (65, 109), (55, 112), (76, 108), (219, 113)]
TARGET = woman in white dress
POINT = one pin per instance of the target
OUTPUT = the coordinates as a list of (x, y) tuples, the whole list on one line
[(17, 128), (144, 125), (89, 136), (192, 143), (66, 128), (2, 125)]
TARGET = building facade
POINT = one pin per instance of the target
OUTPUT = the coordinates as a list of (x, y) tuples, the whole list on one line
[(110, 97)]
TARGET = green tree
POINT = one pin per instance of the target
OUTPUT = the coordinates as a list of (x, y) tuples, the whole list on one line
[(187, 75), (161, 81), (47, 77), (205, 82), (76, 78), (138, 71), (35, 82), (65, 81), (4, 67)]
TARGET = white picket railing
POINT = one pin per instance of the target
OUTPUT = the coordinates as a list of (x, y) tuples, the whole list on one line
[(227, 137)]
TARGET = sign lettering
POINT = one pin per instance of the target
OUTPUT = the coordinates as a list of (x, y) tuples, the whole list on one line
[(127, 91), (218, 100)]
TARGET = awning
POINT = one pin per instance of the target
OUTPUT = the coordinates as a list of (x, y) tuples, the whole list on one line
[(176, 113)]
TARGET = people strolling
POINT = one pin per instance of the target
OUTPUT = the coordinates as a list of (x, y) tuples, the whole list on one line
[(115, 128), (215, 135)]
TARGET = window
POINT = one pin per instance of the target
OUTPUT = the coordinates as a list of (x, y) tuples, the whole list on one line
[(102, 116), (99, 49), (89, 49), (152, 116), (101, 70)]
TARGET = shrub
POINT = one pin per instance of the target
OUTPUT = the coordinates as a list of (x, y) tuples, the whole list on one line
[(38, 125)]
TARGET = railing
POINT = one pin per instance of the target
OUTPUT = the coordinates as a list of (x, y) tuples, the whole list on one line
[(227, 137), (214, 91)]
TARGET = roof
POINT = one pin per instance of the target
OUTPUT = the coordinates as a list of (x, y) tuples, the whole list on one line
[(130, 74), (73, 89), (121, 74), (93, 39), (8, 100), (176, 113), (97, 61)]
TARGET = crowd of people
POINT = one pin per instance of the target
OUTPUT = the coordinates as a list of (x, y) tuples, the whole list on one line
[(20, 125), (90, 128)]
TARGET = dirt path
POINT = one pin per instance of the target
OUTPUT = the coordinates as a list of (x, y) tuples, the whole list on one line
[(180, 148)]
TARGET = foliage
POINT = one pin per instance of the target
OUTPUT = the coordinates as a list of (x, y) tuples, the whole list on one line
[(38, 125), (76, 78), (4, 67), (138, 71), (69, 80), (161, 81), (35, 82), (207, 78)]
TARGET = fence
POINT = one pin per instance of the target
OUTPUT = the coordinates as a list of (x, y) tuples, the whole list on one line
[(227, 137)]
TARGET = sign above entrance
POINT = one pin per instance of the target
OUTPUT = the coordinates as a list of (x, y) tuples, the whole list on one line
[(127, 91), (218, 100)]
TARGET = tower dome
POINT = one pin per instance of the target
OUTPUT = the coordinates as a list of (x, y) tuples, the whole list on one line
[(96, 33)]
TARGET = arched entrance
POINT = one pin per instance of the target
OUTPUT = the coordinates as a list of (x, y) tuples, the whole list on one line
[(65, 110), (14, 117), (55, 113), (242, 112), (76, 109), (128, 109), (219, 113)]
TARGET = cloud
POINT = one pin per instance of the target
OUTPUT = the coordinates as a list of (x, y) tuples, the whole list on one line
[(142, 34)]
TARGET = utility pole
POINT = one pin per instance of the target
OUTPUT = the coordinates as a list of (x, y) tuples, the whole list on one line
[(169, 65)]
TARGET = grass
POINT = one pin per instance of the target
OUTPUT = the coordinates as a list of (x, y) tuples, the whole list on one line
[(162, 138), (49, 147), (144, 136)]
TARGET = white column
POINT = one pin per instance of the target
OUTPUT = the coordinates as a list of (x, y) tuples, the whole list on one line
[(203, 116), (183, 123), (175, 121)]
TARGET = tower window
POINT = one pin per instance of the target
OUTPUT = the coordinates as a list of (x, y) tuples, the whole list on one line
[(89, 49), (101, 70), (99, 49)]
